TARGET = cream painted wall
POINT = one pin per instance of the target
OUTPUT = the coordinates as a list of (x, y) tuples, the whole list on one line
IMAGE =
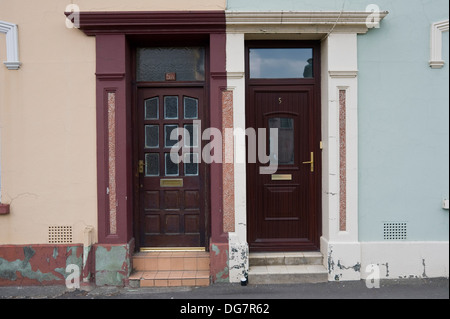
[(47, 117), (47, 121), (148, 5)]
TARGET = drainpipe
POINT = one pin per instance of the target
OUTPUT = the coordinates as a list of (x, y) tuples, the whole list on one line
[(87, 256)]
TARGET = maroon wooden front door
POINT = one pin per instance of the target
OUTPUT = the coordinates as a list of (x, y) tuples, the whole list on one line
[(283, 208), (172, 196)]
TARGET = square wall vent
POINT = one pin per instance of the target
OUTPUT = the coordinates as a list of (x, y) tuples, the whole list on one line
[(395, 231), (59, 234)]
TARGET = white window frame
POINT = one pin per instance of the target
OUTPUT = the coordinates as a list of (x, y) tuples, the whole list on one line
[(12, 45), (437, 29)]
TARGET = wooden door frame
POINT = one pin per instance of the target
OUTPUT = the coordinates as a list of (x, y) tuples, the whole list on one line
[(114, 33), (291, 84), (204, 85)]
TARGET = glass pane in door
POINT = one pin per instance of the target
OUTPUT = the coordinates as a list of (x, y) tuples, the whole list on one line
[(171, 107), (152, 164), (152, 109), (151, 136), (190, 108), (285, 126), (172, 168)]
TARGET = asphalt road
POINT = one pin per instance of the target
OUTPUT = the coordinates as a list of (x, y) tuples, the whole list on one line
[(389, 289)]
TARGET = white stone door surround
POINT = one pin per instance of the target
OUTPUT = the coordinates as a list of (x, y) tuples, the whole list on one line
[(337, 32)]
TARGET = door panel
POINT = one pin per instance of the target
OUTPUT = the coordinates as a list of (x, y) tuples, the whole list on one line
[(172, 195), (283, 215)]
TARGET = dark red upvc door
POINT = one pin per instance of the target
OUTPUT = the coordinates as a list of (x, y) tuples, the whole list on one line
[(172, 196), (283, 208)]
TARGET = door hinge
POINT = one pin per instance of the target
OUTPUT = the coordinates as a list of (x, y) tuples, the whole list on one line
[(321, 145)]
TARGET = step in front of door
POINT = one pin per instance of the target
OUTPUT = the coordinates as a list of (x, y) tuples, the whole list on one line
[(170, 269), (286, 268)]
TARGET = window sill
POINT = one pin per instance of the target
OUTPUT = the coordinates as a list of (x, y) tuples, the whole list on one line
[(4, 209)]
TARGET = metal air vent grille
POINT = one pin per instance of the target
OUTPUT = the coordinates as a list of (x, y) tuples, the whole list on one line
[(59, 234), (395, 231)]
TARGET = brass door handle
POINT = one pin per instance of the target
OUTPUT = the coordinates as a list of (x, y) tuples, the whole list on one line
[(311, 162), (141, 167)]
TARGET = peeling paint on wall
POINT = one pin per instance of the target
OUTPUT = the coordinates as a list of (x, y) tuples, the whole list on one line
[(356, 267), (238, 262), (424, 275), (112, 265), (37, 264), (219, 266), (330, 260)]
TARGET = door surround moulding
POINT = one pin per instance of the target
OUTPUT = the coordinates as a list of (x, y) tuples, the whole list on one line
[(338, 32), (114, 74), (300, 22), (437, 29), (12, 44)]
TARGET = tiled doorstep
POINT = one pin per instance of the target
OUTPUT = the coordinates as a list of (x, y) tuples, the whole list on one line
[(171, 261), (171, 278), (284, 274)]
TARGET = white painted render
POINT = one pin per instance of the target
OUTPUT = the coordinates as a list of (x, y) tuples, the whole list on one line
[(339, 71), (345, 256)]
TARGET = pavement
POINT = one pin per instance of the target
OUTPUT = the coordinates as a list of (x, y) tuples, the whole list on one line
[(389, 289)]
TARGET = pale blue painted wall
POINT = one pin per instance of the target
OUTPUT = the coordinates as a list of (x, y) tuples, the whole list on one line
[(403, 115)]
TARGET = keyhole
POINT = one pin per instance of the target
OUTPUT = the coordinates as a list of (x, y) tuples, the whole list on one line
[(279, 100)]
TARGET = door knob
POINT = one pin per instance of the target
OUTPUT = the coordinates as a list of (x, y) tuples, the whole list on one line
[(311, 162)]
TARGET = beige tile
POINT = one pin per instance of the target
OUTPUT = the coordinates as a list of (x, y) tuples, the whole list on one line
[(165, 254), (139, 263), (202, 263), (161, 283), (149, 275), (147, 283), (162, 275), (176, 275), (188, 282), (190, 254), (174, 283), (151, 263), (136, 275), (189, 274), (202, 274), (202, 282), (163, 263), (176, 263), (189, 263)]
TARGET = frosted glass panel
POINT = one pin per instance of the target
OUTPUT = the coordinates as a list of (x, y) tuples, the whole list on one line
[(187, 62), (171, 107), (152, 164), (167, 131), (171, 167), (193, 135), (152, 109), (151, 136), (191, 161), (190, 108), (285, 128), (288, 63)]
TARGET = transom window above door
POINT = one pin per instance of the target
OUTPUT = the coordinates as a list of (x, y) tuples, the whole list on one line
[(281, 63), (160, 64)]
